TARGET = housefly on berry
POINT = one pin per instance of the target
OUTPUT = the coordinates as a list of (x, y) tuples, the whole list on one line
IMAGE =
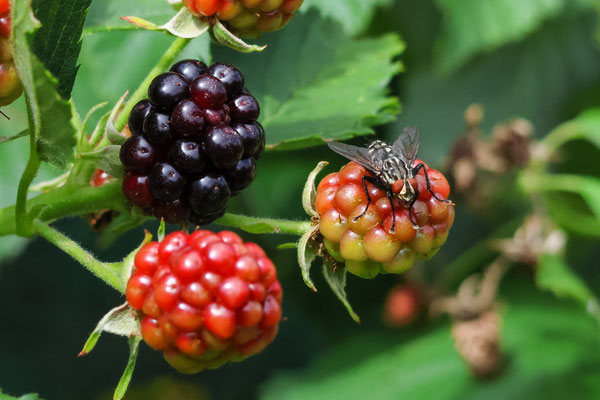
[(392, 168)]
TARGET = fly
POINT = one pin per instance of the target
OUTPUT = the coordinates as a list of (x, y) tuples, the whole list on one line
[(391, 167)]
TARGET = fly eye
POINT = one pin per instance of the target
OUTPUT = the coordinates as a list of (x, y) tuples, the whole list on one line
[(397, 186), (413, 182)]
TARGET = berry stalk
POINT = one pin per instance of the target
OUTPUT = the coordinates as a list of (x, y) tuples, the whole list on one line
[(66, 201), (140, 93), (22, 223), (264, 225), (102, 270)]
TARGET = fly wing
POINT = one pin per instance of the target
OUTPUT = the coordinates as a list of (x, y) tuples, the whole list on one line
[(359, 155), (407, 145)]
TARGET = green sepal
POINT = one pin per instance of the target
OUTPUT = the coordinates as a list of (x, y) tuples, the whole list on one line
[(227, 38), (336, 278), (121, 321)]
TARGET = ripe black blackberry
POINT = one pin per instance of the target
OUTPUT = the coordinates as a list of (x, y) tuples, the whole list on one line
[(194, 144)]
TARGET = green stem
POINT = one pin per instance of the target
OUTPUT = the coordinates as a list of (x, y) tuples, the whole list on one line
[(102, 270), (264, 225), (163, 64), (23, 225), (540, 182), (66, 201), (475, 256), (561, 135)]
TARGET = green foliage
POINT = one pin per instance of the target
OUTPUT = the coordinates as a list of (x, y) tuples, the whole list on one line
[(551, 355), (32, 396), (555, 275), (557, 70), (472, 27), (105, 16), (354, 15), (58, 40), (574, 200), (314, 83)]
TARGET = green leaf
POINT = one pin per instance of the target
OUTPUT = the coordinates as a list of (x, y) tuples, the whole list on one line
[(53, 120), (585, 220), (105, 15), (588, 126), (32, 396), (472, 27), (134, 344), (58, 41), (551, 348), (354, 15), (336, 278), (555, 275), (120, 321), (320, 84)]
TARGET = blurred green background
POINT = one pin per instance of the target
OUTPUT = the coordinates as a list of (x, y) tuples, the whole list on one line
[(536, 59)]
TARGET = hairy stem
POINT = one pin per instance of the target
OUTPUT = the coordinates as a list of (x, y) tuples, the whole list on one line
[(163, 64), (23, 225), (66, 201), (98, 268), (264, 225)]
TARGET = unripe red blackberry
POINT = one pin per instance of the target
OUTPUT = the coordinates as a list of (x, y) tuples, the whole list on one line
[(365, 240), (99, 178), (5, 21), (247, 18), (10, 84), (197, 126), (205, 299), (401, 306)]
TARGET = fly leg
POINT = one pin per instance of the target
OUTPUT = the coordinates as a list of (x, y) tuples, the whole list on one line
[(410, 206), (390, 197), (415, 171), (373, 181)]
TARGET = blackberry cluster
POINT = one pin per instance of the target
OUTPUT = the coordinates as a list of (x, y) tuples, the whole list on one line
[(10, 84), (248, 18), (194, 143), (365, 241), (205, 299)]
